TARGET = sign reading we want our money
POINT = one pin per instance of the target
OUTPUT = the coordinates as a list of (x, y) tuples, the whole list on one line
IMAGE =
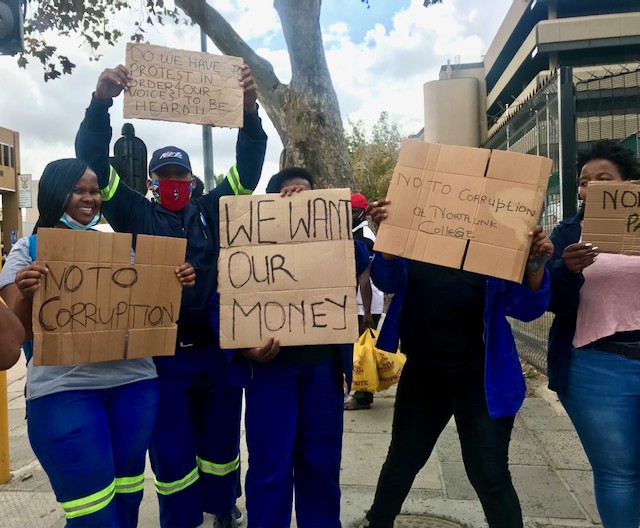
[(287, 269), (185, 86)]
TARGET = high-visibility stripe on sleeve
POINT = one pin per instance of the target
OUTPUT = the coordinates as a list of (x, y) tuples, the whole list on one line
[(91, 503), (233, 177), (168, 488), (218, 469), (111, 188), (130, 484)]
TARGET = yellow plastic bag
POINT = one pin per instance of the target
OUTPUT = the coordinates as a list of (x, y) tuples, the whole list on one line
[(365, 370), (390, 367)]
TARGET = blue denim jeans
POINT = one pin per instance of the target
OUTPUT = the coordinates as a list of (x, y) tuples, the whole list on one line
[(602, 399)]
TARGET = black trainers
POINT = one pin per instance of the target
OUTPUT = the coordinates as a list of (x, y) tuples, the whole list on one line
[(225, 522), (238, 515)]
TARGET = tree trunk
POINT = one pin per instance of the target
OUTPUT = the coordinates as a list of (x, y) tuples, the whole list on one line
[(305, 113)]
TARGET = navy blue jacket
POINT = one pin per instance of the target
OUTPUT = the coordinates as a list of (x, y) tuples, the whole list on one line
[(503, 381), (129, 211), (565, 296)]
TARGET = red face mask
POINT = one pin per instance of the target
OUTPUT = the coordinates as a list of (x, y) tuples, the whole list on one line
[(174, 194)]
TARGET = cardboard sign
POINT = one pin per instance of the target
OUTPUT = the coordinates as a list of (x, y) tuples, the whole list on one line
[(185, 86), (465, 208), (287, 269), (95, 305), (612, 217)]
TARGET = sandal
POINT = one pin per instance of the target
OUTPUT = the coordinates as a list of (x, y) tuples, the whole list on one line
[(351, 404)]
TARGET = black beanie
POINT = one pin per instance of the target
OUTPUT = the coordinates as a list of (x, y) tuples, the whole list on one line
[(54, 191), (277, 181)]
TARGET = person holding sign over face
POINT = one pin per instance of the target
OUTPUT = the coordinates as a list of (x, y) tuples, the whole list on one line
[(461, 362), (195, 445), (294, 415), (89, 425), (594, 344)]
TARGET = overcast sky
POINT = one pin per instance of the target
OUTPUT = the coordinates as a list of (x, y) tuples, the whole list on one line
[(379, 60)]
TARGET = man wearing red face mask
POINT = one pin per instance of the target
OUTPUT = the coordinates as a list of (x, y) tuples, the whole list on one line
[(195, 445)]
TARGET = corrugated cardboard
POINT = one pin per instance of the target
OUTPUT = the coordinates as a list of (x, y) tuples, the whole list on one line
[(612, 217), (464, 207), (95, 305), (185, 86), (287, 269)]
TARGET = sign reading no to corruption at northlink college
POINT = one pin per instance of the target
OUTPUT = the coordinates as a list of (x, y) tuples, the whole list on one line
[(287, 269), (612, 217), (463, 207), (186, 86), (94, 304)]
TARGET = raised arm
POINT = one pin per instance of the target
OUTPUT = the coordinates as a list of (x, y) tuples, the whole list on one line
[(244, 174), (119, 201)]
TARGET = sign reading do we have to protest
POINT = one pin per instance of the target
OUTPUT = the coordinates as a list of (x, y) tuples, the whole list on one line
[(612, 217), (94, 304), (186, 86), (287, 269), (463, 207)]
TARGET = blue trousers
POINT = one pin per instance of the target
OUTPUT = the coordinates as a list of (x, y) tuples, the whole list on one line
[(92, 445), (294, 421), (602, 399), (195, 447)]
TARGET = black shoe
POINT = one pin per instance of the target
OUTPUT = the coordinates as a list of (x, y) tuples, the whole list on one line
[(225, 522), (238, 515)]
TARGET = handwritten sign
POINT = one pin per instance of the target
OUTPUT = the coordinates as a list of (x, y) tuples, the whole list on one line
[(287, 269), (95, 305), (186, 86), (463, 207), (612, 217)]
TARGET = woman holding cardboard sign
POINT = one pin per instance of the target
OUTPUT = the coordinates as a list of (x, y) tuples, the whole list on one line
[(461, 362), (79, 417), (594, 344)]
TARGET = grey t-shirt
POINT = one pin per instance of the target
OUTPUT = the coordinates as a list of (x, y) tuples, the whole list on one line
[(42, 381)]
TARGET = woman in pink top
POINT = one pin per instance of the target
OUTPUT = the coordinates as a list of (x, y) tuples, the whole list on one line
[(594, 344)]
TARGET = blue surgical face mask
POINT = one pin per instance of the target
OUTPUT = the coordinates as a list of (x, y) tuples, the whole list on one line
[(73, 224)]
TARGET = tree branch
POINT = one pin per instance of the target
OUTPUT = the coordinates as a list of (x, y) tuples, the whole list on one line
[(271, 90)]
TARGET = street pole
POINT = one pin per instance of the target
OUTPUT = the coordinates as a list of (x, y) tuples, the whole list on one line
[(207, 141)]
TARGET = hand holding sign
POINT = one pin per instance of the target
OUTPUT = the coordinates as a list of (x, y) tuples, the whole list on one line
[(29, 278), (578, 256), (111, 82)]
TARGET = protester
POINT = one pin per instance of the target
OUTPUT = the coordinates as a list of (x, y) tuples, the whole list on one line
[(195, 447), (370, 298), (594, 344), (11, 337), (294, 417), (461, 362), (80, 417)]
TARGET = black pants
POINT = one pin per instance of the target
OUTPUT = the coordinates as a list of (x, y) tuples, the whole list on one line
[(424, 404), (363, 397)]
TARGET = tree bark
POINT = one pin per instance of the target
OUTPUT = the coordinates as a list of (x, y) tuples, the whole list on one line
[(305, 112)]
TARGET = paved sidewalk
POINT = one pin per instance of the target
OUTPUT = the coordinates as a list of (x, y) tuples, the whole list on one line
[(550, 471)]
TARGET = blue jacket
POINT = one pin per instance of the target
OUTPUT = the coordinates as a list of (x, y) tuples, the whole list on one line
[(129, 211), (565, 296), (240, 369), (504, 384)]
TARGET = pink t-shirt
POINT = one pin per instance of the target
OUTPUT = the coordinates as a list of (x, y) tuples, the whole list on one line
[(609, 298)]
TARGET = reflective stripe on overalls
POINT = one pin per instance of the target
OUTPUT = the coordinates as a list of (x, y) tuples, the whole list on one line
[(219, 470), (130, 484), (91, 503), (233, 177), (168, 488), (111, 188)]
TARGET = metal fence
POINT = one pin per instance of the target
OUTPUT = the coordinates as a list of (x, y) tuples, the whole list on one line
[(534, 129)]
